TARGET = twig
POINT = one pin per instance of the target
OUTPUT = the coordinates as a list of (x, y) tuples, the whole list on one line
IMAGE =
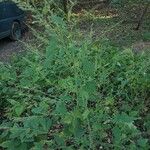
[(142, 16)]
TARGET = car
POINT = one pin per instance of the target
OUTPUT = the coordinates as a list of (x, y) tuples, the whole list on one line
[(12, 20)]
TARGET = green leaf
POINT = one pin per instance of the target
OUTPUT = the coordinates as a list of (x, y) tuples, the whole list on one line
[(61, 108), (42, 109), (13, 102), (46, 124), (90, 88), (146, 36), (142, 142), (51, 50), (16, 132), (123, 118), (40, 145), (86, 114), (14, 145), (19, 109), (58, 21), (117, 135), (83, 98), (36, 126), (88, 67), (59, 140), (77, 128), (6, 144), (68, 84), (68, 118)]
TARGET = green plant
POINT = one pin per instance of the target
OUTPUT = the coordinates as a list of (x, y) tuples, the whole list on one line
[(146, 36), (89, 95), (75, 93)]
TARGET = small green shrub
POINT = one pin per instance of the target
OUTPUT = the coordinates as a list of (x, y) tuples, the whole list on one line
[(146, 36), (75, 94), (90, 95)]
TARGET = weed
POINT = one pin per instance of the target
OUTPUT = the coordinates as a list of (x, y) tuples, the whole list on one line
[(75, 95)]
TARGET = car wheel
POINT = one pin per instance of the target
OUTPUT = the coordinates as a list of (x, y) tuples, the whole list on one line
[(15, 31)]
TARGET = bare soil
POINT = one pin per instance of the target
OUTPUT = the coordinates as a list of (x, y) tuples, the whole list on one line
[(10, 48)]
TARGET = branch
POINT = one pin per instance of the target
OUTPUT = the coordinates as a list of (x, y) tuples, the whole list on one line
[(142, 16)]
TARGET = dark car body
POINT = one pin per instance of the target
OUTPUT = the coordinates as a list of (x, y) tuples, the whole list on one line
[(9, 13)]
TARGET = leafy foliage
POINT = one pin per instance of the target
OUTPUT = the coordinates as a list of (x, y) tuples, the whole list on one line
[(75, 94), (88, 96)]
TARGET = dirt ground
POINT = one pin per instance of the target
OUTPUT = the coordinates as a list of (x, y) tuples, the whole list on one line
[(10, 48)]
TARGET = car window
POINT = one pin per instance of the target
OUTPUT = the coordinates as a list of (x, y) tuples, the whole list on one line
[(12, 10)]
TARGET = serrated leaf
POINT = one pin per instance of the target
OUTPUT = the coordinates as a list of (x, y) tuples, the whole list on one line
[(123, 118), (19, 109), (88, 67), (61, 108), (86, 114), (142, 142)]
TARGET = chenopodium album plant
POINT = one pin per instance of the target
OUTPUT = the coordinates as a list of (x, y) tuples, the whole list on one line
[(76, 95)]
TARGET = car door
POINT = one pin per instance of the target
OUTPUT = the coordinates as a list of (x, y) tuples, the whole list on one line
[(3, 30), (5, 25)]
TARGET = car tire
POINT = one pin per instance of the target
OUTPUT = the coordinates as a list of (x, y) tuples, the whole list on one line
[(16, 31)]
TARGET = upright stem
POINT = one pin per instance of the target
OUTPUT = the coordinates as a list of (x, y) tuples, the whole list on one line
[(65, 3), (142, 16)]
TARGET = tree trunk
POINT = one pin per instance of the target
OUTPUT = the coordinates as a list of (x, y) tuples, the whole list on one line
[(142, 17)]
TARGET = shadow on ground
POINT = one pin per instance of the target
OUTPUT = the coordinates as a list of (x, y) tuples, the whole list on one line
[(9, 48)]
